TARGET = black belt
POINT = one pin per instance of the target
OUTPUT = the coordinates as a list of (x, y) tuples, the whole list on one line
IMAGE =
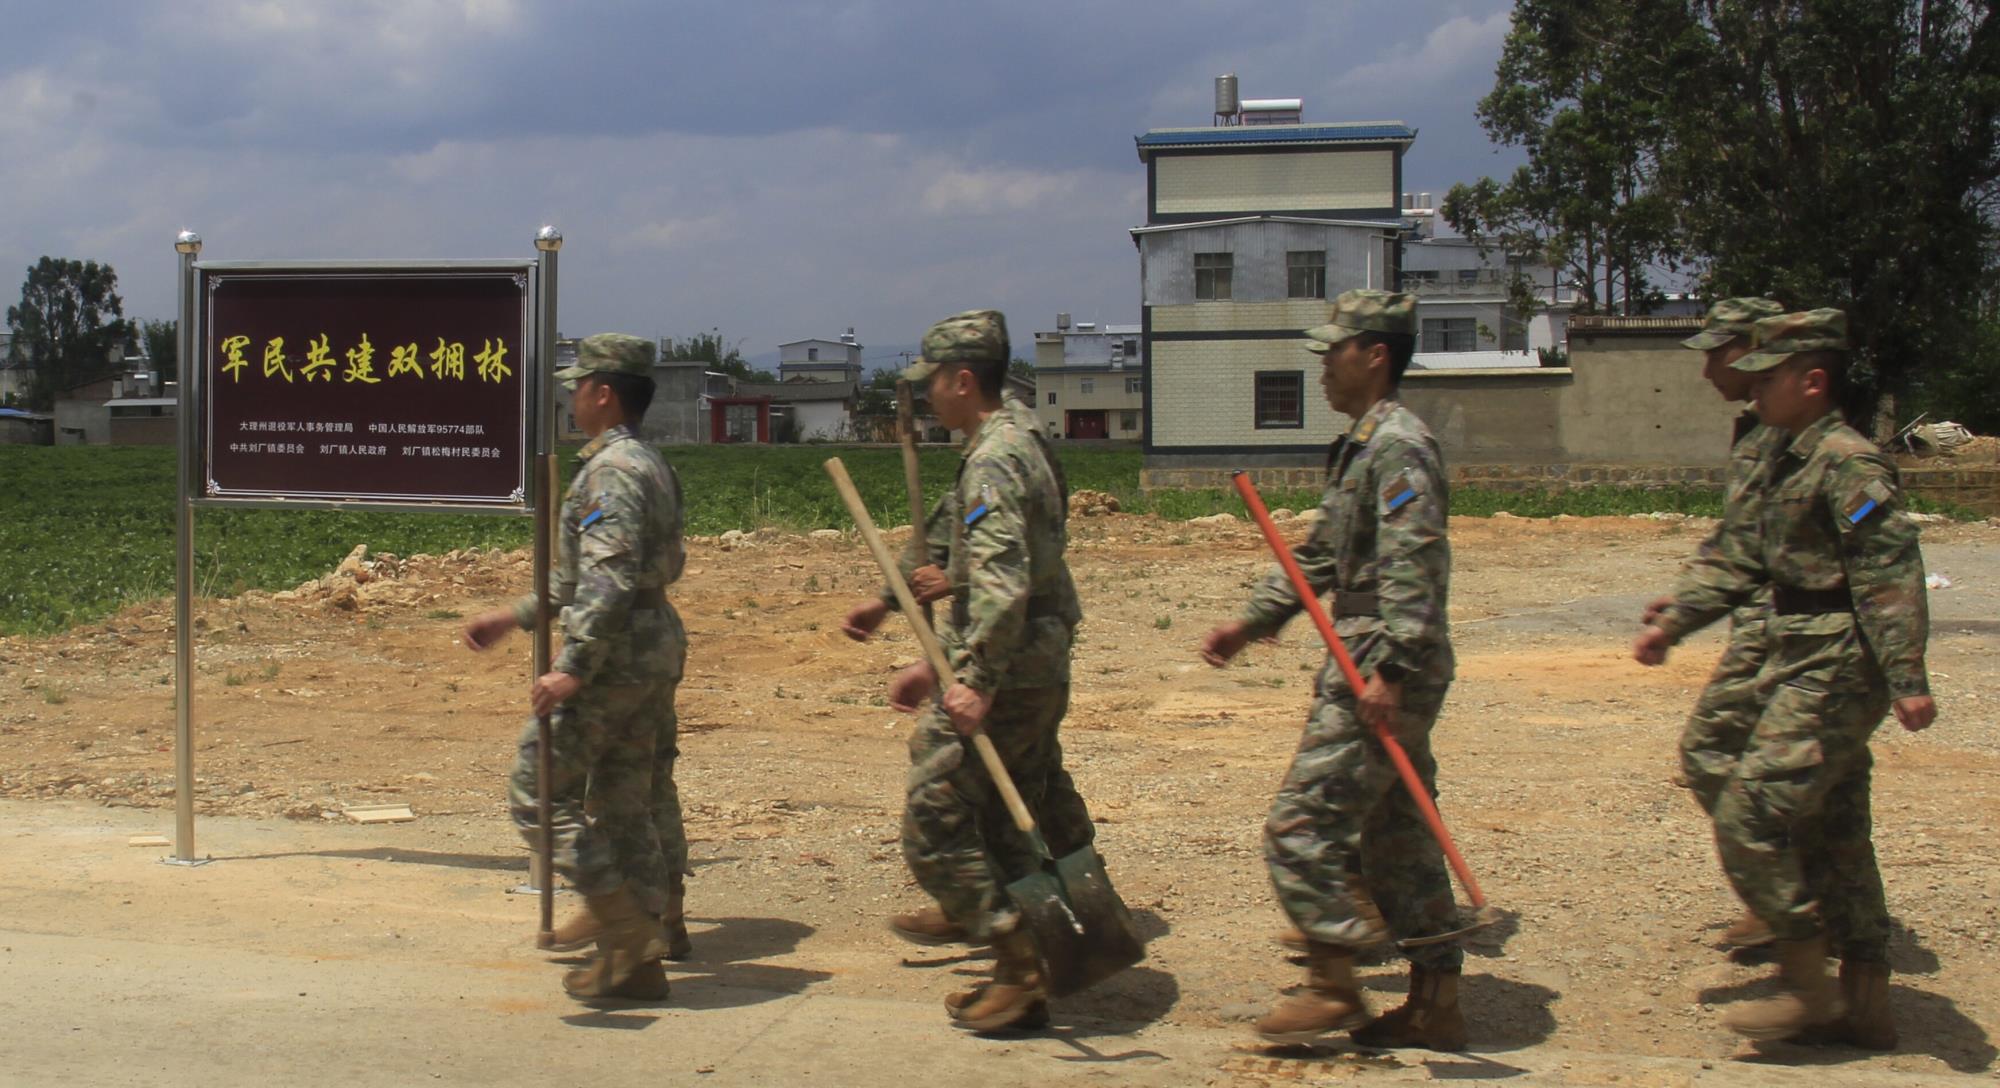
[(653, 597), (1794, 601), (1347, 603)]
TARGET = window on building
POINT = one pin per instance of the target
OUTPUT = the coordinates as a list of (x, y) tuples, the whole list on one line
[(1128, 421), (1468, 276), (1305, 274), (1052, 396), (1086, 385), (1131, 349), (1135, 385), (1449, 334), (1212, 273), (812, 355), (1280, 398), (1419, 277)]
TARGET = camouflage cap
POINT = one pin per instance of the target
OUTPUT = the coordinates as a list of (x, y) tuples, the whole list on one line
[(1779, 338), (1360, 311), (1731, 318), (609, 353), (971, 337)]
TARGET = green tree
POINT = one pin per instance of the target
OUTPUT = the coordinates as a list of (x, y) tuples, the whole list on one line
[(1823, 152), (1843, 153), (162, 341), (709, 347), (1576, 89), (69, 327)]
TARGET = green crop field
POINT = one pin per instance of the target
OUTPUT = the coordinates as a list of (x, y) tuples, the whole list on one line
[(87, 530)]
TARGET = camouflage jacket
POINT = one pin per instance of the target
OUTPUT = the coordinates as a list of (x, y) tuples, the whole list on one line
[(618, 547), (1381, 534), (1742, 501), (1829, 516), (999, 534)]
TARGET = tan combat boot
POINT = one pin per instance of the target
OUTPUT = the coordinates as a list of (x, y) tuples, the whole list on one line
[(927, 926), (1015, 996), (579, 931), (1035, 1019), (626, 964), (1748, 931), (1330, 1001), (1868, 1023), (1428, 1019), (1811, 999), (674, 921)]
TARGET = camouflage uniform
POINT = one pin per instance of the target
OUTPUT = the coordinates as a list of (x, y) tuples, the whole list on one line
[(1058, 808), (1720, 725), (615, 741), (1846, 637), (1009, 633), (1342, 814)]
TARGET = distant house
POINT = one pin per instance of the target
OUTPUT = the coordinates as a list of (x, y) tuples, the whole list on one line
[(818, 360), (805, 410), (1090, 380), (1466, 317), (20, 427)]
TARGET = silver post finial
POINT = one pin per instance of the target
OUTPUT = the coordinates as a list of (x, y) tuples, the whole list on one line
[(548, 239), (187, 241)]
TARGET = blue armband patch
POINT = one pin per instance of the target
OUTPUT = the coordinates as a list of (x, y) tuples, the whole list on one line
[(1398, 494), (978, 512), (591, 518), (1867, 507)]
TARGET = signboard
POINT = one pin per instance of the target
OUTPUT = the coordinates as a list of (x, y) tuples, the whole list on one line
[(395, 384)]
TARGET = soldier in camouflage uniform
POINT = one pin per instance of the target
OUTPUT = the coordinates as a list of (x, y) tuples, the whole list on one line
[(1846, 639), (1059, 810), (1728, 708), (1343, 819), (1008, 635), (618, 833)]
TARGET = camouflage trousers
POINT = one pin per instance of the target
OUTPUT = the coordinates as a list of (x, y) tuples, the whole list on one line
[(617, 813), (1343, 822), (1793, 824), (1723, 718), (959, 841)]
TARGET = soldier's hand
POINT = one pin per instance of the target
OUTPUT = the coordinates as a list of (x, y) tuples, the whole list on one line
[(928, 584), (1651, 647), (910, 687), (1653, 609), (967, 708), (1381, 700), (484, 630), (1916, 712), (1224, 642), (552, 689), (863, 619)]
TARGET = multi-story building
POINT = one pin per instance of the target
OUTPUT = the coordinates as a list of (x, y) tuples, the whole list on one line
[(818, 360), (1249, 229), (1090, 380), (1466, 315)]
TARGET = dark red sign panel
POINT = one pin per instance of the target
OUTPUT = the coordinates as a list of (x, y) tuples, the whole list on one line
[(372, 385)]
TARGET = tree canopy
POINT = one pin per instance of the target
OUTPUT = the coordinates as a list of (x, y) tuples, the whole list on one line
[(710, 347), (69, 327)]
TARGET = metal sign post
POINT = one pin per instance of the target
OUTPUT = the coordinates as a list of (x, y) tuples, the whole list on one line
[(548, 241), (419, 386), (188, 245)]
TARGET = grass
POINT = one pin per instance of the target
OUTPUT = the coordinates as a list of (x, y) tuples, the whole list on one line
[(90, 529)]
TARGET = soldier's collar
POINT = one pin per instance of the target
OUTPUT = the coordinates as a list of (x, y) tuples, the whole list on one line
[(1364, 428), (596, 445), (999, 418), (1808, 440)]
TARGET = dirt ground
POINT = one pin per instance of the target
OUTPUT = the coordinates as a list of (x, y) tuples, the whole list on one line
[(1556, 753)]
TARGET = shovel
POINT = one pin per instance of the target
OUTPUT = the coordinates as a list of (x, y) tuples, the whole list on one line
[(1083, 933), (1484, 913)]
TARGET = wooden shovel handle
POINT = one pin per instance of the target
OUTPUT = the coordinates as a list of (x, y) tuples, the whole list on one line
[(933, 650), (913, 475)]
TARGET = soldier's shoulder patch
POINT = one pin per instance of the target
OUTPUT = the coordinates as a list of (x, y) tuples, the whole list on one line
[(1869, 500), (592, 514), (1366, 430), (983, 507), (1399, 492)]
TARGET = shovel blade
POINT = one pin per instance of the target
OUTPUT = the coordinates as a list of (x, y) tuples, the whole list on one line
[(1081, 928)]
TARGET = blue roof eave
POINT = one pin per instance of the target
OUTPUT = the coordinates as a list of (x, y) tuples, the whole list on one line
[(1255, 135)]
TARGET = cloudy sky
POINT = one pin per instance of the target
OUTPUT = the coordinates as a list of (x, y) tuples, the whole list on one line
[(773, 169)]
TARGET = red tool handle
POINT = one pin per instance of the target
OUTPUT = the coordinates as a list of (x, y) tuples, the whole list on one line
[(1320, 620)]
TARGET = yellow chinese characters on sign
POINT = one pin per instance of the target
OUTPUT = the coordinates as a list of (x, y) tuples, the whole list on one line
[(447, 361)]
